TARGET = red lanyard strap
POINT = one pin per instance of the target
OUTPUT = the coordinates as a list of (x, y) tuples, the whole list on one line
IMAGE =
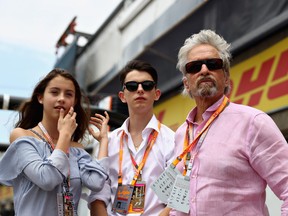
[(194, 142), (151, 140)]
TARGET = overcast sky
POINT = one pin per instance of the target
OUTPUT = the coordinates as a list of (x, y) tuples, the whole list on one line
[(29, 31)]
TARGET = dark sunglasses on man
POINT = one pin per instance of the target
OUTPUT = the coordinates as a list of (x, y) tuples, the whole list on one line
[(194, 67), (132, 86)]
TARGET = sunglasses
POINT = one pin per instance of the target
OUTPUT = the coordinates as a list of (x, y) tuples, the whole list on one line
[(132, 86), (194, 67)]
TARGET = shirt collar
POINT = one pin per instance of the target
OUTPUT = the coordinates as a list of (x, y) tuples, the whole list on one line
[(152, 124), (191, 115)]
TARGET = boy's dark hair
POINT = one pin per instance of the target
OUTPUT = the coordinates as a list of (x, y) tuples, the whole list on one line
[(139, 66)]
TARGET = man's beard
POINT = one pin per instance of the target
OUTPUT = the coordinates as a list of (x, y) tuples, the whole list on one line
[(206, 89)]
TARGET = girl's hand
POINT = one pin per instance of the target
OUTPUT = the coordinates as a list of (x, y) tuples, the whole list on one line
[(101, 123), (67, 124)]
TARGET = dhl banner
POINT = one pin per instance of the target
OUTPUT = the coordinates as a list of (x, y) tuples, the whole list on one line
[(260, 81)]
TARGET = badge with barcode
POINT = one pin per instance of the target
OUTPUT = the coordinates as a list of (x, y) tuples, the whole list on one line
[(162, 186)]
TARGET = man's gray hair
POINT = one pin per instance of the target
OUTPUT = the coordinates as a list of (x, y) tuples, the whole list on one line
[(206, 37)]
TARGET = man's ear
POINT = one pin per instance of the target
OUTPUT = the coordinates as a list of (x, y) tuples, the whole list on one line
[(185, 83), (121, 96), (227, 81)]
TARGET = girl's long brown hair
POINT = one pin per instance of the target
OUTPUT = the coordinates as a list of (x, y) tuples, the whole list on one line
[(31, 112)]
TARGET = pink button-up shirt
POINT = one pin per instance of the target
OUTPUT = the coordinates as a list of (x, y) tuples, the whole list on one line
[(242, 152)]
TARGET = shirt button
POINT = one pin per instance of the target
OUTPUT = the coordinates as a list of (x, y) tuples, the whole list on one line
[(194, 176), (193, 199)]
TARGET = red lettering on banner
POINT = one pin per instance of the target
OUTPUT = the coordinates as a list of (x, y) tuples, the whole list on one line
[(255, 98), (280, 89), (240, 101), (247, 84), (161, 116), (282, 67)]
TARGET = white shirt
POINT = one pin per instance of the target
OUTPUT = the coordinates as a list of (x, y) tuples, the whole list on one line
[(160, 156)]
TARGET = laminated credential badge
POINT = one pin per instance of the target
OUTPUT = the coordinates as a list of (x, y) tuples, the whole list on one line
[(163, 185), (123, 199), (179, 197)]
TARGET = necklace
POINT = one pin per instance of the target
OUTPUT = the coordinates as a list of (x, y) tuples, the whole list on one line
[(137, 141), (137, 146)]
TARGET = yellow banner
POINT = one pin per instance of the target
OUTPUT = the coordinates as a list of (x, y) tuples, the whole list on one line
[(260, 81), (6, 193)]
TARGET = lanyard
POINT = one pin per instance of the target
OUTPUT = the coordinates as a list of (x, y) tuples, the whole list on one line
[(135, 165), (189, 147), (187, 158), (47, 136), (66, 181), (52, 145), (151, 140)]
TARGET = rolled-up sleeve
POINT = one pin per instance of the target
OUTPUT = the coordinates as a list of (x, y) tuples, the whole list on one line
[(60, 160), (103, 195), (93, 172)]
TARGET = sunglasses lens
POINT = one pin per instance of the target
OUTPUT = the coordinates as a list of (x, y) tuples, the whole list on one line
[(148, 85), (195, 66), (214, 64), (131, 86)]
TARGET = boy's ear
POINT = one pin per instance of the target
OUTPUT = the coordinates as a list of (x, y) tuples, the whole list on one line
[(157, 94), (121, 96)]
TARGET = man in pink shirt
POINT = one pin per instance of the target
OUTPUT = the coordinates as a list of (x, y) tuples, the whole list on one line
[(239, 150)]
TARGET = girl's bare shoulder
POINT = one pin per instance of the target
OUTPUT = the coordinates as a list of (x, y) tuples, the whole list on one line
[(19, 132)]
